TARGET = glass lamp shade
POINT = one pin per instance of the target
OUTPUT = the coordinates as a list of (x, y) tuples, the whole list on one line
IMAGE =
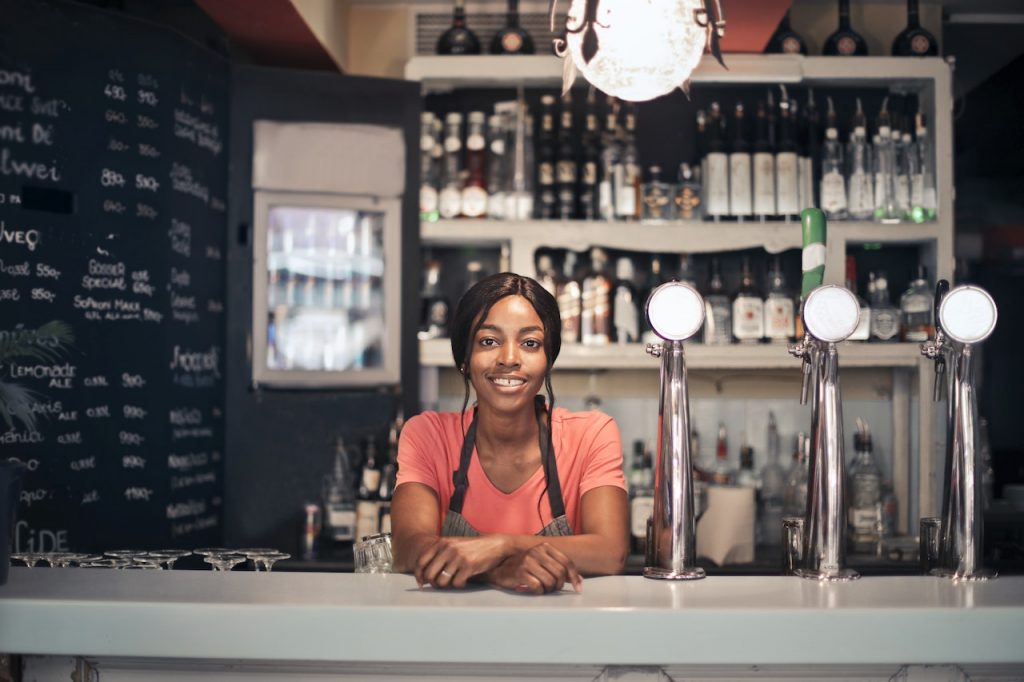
[(646, 48)]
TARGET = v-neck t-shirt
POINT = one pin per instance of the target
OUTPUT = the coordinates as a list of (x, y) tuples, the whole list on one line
[(588, 455)]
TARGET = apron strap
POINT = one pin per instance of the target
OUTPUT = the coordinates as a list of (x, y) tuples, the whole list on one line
[(461, 476)]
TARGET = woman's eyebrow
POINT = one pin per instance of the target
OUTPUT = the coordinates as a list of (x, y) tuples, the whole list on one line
[(523, 330)]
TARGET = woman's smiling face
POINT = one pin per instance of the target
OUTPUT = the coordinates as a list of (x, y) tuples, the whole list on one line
[(508, 363)]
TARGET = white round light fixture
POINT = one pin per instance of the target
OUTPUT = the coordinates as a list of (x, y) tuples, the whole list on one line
[(675, 311), (645, 48), (831, 313), (967, 314)]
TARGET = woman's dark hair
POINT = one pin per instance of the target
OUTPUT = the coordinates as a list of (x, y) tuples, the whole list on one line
[(470, 314)]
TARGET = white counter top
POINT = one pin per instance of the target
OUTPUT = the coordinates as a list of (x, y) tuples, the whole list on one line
[(615, 621)]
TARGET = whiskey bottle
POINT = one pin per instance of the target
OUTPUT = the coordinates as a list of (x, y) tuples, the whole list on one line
[(916, 309), (570, 300), (914, 41), (885, 319), (641, 504), (718, 316), (547, 277), (611, 158), (497, 166), (367, 502), (747, 308), (546, 159), (565, 165), (845, 42), (512, 39), (657, 197), (785, 40), (716, 179), (625, 306), (764, 167), (741, 203), (627, 175), (688, 204), (595, 327), (450, 202), (833, 182), (859, 186), (589, 193), (865, 492), (779, 319), (787, 180), (863, 330), (433, 304), (474, 191), (430, 170), (458, 39)]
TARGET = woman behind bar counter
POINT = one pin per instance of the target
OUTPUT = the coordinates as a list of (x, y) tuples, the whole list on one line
[(537, 506)]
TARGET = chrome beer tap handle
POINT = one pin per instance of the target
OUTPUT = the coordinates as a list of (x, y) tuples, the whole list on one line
[(936, 349), (802, 350)]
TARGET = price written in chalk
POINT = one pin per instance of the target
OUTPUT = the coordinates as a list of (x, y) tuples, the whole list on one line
[(116, 92), (147, 182), (111, 178)]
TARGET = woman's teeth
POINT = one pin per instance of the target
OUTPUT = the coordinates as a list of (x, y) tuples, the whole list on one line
[(508, 382)]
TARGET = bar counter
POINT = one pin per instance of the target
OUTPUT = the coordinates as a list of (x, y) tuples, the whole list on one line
[(202, 622)]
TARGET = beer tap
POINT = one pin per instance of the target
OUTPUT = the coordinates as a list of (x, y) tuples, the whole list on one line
[(965, 316), (830, 314), (676, 312)]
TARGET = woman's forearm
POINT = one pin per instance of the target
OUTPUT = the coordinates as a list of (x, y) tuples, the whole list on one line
[(406, 550), (593, 554)]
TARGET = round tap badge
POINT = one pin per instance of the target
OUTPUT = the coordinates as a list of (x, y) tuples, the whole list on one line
[(831, 313), (675, 311), (968, 314)]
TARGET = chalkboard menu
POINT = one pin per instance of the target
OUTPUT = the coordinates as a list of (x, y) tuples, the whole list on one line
[(113, 181)]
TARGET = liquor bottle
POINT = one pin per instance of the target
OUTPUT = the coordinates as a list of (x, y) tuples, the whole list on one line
[(702, 143), (785, 40), (747, 309), (589, 193), (764, 167), (863, 330), (808, 145), (779, 318), (859, 186), (885, 319), (512, 39), (389, 473), (569, 297), (716, 178), (565, 166), (519, 202), (845, 42), (741, 201), (611, 157), (718, 315), (339, 498), (595, 327), (772, 491), (914, 41), (657, 197), (865, 492), (627, 174), (367, 502), (685, 272), (474, 192), (884, 154), (546, 159), (641, 504), (625, 306), (794, 502), (721, 472), (458, 39), (429, 169), (687, 201), (916, 309), (450, 202), (546, 274), (833, 182), (655, 278), (433, 304), (787, 178), (474, 273), (746, 476), (922, 181), (497, 166)]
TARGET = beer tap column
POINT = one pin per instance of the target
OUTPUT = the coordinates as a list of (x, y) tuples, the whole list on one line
[(830, 314), (676, 312)]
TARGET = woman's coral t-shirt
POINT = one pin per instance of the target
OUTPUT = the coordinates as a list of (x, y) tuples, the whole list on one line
[(588, 454)]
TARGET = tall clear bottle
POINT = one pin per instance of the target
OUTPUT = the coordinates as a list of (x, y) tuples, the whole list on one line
[(741, 200), (452, 177), (747, 308), (809, 144), (923, 199), (570, 300), (721, 471), (794, 502), (716, 179), (833, 168), (565, 167), (591, 169), (773, 490), (474, 190), (339, 498), (859, 187), (764, 166), (497, 165), (718, 316), (885, 318), (596, 327), (627, 175), (519, 202), (367, 499), (655, 278), (430, 169), (916, 306), (884, 152), (865, 492), (787, 162), (625, 306), (611, 158), (779, 313), (547, 196)]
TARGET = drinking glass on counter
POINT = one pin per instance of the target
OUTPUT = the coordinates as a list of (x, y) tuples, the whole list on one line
[(373, 554), (264, 559), (168, 557)]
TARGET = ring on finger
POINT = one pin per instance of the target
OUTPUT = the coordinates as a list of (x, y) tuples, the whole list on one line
[(446, 573)]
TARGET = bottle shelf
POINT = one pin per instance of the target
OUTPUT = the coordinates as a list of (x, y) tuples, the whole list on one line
[(438, 353), (443, 73), (675, 236)]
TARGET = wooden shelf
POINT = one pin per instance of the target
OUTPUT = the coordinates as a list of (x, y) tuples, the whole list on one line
[(438, 353)]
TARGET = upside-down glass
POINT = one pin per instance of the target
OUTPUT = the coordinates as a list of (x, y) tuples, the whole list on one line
[(373, 554)]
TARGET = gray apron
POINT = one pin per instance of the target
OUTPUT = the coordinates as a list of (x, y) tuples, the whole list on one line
[(456, 525)]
